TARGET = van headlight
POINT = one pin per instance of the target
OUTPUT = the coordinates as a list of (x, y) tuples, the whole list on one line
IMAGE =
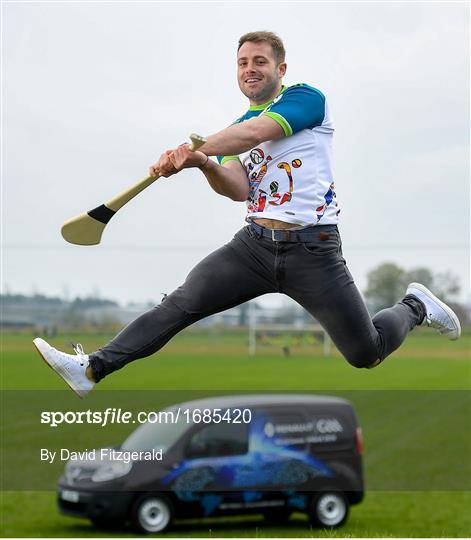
[(111, 471), (72, 472)]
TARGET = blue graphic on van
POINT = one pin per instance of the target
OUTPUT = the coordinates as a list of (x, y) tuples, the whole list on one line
[(208, 501), (297, 500), (268, 463)]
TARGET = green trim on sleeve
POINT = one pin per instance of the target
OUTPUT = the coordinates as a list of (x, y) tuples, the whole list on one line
[(281, 121), (225, 159)]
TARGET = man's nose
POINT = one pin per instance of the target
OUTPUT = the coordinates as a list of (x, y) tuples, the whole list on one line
[(250, 68)]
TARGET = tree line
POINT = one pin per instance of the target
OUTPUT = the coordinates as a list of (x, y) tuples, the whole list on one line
[(387, 283)]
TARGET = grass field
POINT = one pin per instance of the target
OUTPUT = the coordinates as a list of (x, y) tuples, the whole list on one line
[(428, 495)]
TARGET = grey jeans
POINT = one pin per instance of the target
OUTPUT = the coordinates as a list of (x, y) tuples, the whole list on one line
[(313, 273)]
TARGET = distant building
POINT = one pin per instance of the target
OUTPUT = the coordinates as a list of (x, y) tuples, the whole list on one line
[(38, 311)]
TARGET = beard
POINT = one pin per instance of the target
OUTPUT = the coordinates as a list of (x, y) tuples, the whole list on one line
[(261, 94)]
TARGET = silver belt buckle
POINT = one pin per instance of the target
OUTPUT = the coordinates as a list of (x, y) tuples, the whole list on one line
[(273, 235)]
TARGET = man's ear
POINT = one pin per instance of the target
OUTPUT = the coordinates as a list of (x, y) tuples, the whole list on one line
[(282, 69)]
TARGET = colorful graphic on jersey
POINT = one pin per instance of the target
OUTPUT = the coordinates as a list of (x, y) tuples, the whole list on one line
[(262, 201), (257, 155), (277, 199), (329, 198), (254, 182), (286, 197)]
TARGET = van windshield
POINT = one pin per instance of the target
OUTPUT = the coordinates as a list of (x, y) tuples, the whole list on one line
[(156, 435)]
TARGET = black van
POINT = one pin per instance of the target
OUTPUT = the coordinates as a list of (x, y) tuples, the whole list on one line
[(270, 454)]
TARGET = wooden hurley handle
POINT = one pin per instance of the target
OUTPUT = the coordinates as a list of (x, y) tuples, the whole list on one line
[(125, 196)]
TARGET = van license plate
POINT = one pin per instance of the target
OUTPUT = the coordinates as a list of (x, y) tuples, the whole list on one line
[(70, 496)]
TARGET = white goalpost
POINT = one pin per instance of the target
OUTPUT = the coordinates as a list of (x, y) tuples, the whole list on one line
[(285, 335)]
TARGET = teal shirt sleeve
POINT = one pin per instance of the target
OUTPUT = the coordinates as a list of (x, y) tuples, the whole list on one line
[(300, 107)]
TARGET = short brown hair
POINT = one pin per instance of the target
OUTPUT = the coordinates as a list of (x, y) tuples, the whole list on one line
[(271, 38)]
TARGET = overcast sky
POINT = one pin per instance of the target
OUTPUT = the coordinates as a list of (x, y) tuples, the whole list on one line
[(94, 92)]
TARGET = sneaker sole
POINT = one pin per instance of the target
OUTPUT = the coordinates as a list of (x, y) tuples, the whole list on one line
[(446, 309), (56, 370)]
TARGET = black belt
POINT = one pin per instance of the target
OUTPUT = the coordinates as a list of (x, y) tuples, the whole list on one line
[(306, 234)]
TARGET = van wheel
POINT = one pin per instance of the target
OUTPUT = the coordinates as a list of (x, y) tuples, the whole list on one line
[(280, 515), (329, 509), (152, 514)]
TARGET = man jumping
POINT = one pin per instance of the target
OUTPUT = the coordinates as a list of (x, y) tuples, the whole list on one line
[(278, 158)]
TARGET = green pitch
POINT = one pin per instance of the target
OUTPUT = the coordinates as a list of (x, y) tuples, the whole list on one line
[(220, 363)]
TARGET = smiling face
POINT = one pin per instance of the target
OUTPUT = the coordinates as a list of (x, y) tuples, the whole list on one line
[(258, 74)]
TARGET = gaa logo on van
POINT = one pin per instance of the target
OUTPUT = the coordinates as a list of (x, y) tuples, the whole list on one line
[(269, 429), (328, 425)]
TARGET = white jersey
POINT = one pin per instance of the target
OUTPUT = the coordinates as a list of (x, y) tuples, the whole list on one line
[(291, 179)]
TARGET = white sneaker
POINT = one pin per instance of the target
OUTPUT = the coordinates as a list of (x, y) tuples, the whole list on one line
[(71, 367), (437, 314)]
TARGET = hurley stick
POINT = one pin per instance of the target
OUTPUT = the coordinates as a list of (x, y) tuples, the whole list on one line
[(86, 229)]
